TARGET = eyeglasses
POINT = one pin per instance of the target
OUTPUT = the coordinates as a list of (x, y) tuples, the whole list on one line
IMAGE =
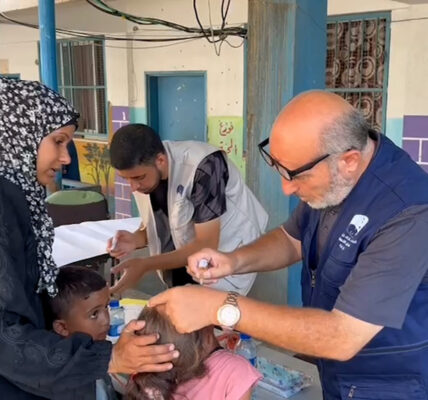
[(286, 173)]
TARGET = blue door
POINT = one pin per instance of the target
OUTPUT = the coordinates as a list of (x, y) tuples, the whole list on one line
[(176, 106)]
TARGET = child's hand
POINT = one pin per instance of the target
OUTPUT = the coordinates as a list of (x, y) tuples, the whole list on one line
[(133, 353)]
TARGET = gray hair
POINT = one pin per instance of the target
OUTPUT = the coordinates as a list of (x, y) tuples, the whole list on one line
[(350, 131)]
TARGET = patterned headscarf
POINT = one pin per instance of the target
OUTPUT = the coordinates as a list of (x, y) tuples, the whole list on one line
[(29, 111)]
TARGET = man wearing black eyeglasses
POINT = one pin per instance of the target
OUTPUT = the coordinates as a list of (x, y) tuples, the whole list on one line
[(360, 231)]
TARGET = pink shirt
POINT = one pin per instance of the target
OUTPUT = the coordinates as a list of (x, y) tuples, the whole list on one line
[(229, 377)]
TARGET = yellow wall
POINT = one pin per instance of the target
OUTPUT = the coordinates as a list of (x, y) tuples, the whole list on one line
[(94, 164)]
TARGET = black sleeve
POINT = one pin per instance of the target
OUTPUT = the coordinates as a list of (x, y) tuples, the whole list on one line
[(33, 358), (209, 188)]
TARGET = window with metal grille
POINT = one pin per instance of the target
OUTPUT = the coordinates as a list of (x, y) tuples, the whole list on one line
[(11, 76), (81, 79), (357, 62)]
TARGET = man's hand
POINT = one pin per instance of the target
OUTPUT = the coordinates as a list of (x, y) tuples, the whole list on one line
[(133, 353), (219, 265), (189, 308), (121, 244), (132, 271)]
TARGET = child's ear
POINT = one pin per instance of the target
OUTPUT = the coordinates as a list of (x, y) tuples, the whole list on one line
[(60, 327)]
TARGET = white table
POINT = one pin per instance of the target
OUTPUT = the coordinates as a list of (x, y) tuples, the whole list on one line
[(78, 242)]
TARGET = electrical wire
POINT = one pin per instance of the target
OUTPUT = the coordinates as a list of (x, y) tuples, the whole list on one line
[(224, 13), (195, 9), (102, 37), (217, 51), (147, 47), (233, 31), (235, 46), (138, 20), (97, 44), (212, 35)]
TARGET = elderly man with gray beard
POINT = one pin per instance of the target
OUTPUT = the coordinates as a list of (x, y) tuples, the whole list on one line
[(360, 231)]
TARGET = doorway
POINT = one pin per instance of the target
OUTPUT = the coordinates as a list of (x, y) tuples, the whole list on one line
[(176, 105)]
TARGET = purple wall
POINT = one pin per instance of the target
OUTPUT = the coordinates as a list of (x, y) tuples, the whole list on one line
[(122, 190), (415, 138)]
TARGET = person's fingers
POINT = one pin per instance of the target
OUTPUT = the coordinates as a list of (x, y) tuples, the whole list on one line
[(119, 286), (157, 358), (158, 352), (156, 367), (206, 254), (119, 268), (193, 262), (181, 329), (121, 234), (134, 325), (109, 244), (159, 299), (161, 308), (203, 281), (211, 274), (210, 281), (118, 253), (146, 340)]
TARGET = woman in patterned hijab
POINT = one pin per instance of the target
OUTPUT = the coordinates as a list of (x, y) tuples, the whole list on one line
[(36, 124)]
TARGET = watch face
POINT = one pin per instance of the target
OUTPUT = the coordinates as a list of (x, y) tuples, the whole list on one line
[(228, 315)]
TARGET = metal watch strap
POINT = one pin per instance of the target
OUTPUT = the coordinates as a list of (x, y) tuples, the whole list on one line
[(232, 298)]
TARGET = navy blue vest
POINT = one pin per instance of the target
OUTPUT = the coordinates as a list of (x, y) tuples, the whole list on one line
[(394, 365)]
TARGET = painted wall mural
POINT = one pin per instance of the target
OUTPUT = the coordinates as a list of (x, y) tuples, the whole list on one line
[(122, 196), (227, 133), (415, 138), (94, 165)]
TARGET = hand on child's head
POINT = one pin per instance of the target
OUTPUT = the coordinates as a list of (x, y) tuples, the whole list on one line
[(162, 310)]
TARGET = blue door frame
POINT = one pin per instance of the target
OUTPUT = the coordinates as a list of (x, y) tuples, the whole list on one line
[(184, 101)]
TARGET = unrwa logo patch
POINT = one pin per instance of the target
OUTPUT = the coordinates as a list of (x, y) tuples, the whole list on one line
[(180, 189), (357, 223)]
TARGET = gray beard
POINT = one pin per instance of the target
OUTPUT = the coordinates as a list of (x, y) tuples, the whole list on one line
[(337, 192)]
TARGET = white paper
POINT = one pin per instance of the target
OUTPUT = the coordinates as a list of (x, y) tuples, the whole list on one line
[(77, 242)]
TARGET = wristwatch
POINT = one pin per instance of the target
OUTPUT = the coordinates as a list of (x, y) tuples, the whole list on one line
[(229, 314)]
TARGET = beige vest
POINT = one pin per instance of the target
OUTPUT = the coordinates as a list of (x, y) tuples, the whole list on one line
[(244, 220)]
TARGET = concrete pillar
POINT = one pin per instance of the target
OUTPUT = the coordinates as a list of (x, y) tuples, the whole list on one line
[(285, 55)]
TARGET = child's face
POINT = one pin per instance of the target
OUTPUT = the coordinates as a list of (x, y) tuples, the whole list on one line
[(88, 315)]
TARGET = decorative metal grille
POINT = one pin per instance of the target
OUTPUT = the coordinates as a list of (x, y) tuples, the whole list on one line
[(81, 80), (357, 63)]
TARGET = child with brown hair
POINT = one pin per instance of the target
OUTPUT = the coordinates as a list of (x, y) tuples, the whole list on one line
[(203, 371), (81, 306)]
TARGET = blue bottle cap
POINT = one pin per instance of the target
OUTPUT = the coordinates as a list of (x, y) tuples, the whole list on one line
[(114, 304), (244, 336)]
